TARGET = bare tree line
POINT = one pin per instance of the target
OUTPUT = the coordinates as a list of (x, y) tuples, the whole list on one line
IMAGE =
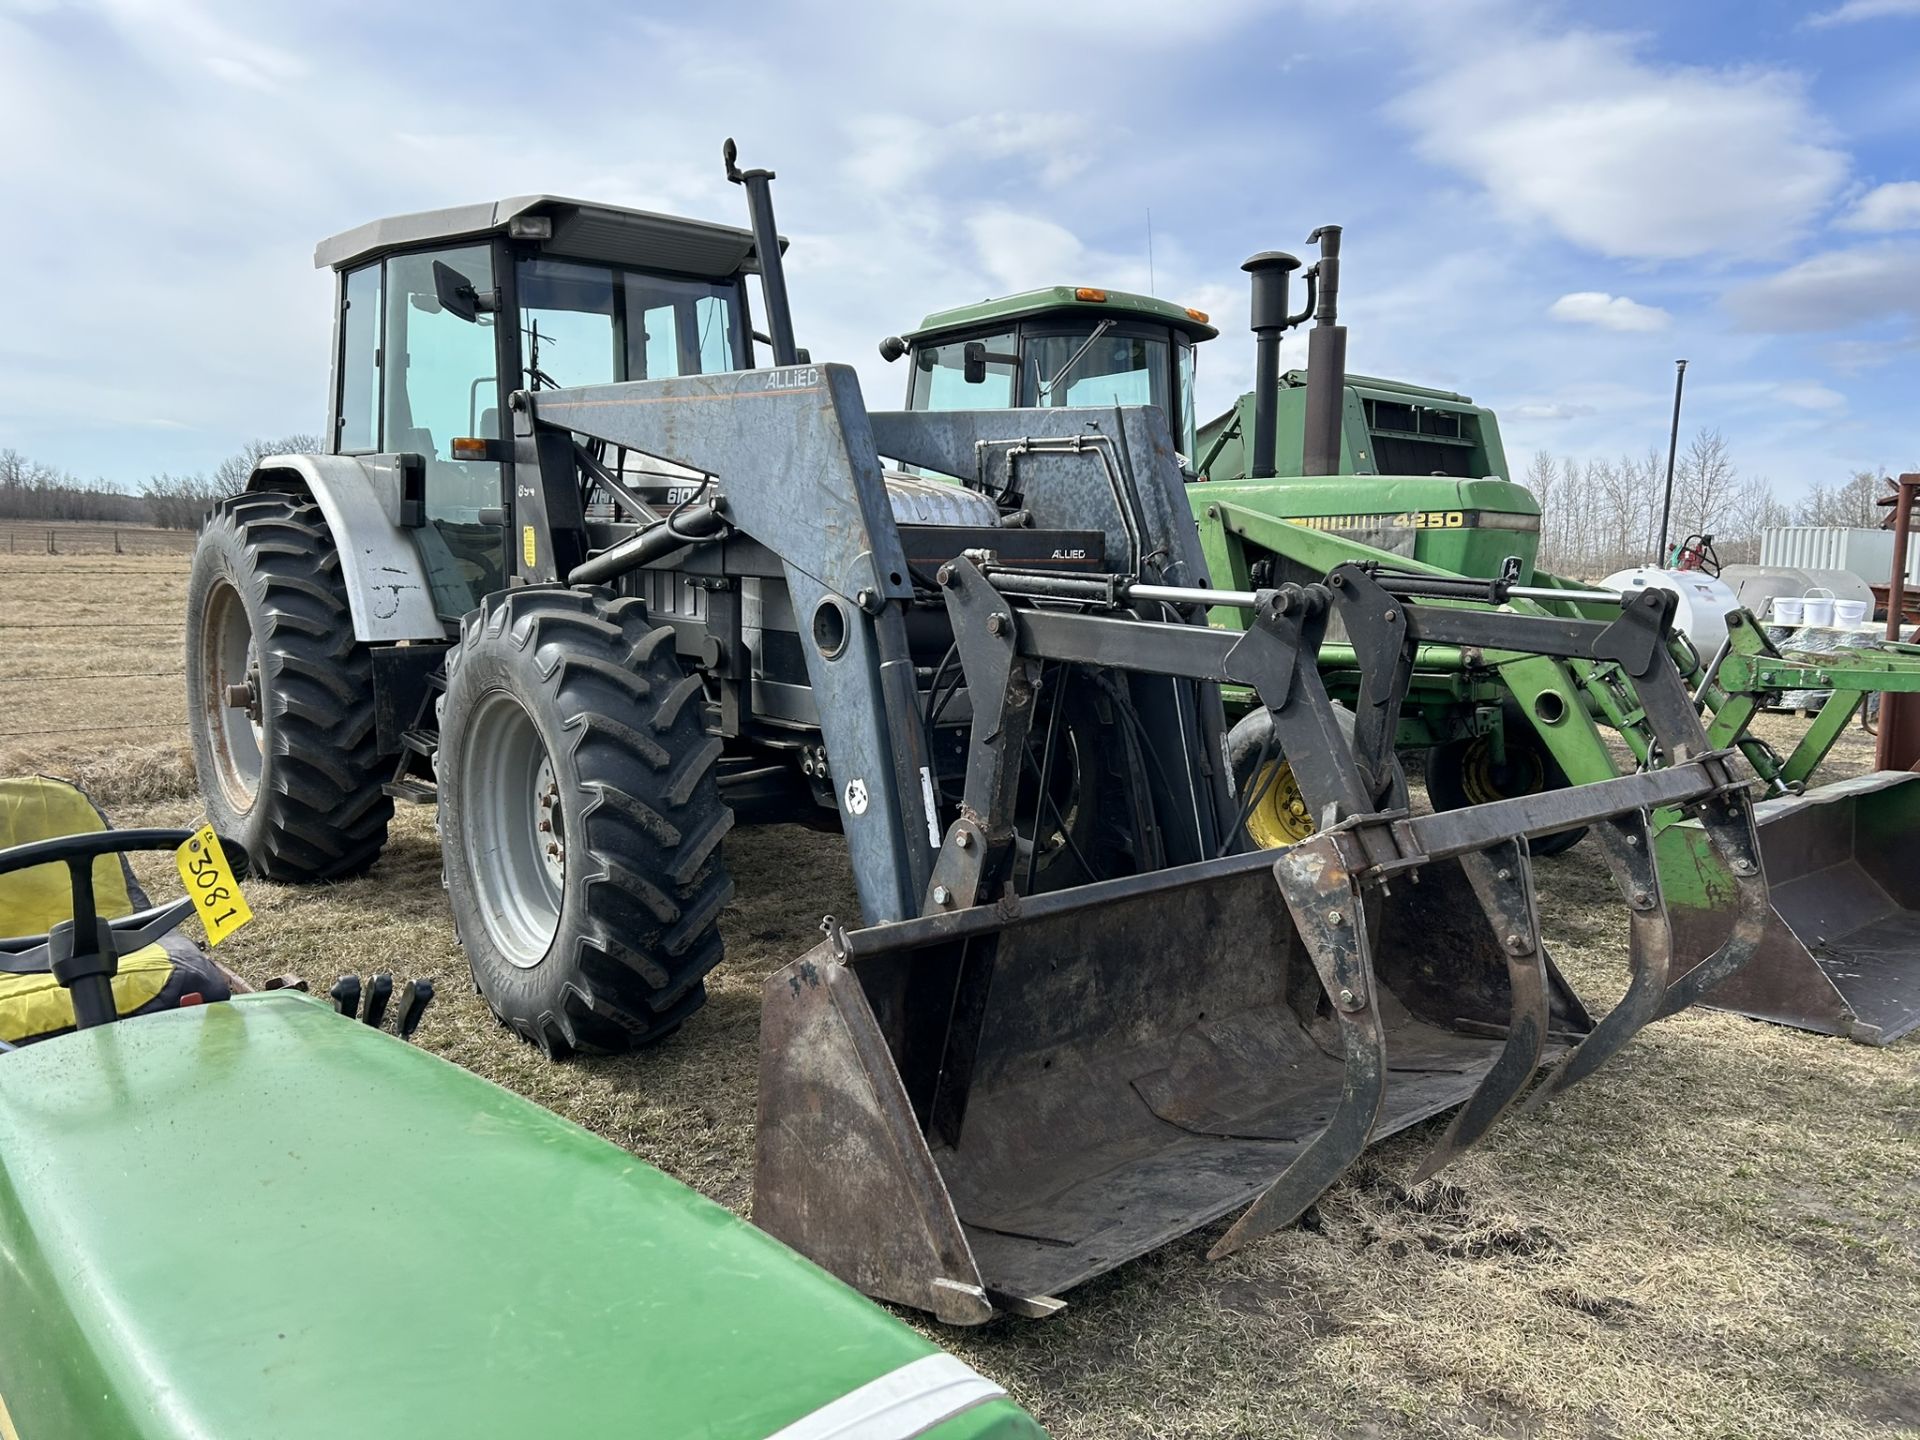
[(1604, 515), (32, 491)]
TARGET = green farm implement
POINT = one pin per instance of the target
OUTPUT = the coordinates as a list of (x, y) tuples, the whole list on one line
[(1318, 468)]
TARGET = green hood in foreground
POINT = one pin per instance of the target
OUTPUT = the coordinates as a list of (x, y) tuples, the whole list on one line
[(262, 1219)]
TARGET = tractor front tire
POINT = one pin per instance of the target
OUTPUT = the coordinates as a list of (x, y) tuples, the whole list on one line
[(581, 819), (293, 771), (1464, 772)]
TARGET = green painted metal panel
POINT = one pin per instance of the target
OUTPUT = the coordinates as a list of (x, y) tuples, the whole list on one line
[(260, 1218)]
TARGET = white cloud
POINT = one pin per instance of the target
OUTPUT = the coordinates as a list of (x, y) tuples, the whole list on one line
[(1833, 291), (1854, 11), (1550, 410), (1609, 312), (1624, 156), (1810, 395), (1889, 207)]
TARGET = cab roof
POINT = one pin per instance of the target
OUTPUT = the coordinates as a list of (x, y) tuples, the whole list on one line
[(1030, 303), (581, 229)]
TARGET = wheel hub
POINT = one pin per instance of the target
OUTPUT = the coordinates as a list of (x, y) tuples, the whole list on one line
[(512, 828), (232, 697), (551, 823)]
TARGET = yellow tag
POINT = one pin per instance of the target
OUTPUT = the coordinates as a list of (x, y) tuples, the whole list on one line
[(209, 880), (528, 550)]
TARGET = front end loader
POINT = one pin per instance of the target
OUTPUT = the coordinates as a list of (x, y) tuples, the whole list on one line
[(1080, 1014), (1314, 468)]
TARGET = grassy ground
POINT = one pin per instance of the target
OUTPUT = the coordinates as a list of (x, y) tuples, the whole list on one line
[(1717, 1236)]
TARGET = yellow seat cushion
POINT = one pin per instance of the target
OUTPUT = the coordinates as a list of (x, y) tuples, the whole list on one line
[(34, 900)]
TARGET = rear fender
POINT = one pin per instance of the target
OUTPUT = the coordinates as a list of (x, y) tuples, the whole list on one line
[(380, 562)]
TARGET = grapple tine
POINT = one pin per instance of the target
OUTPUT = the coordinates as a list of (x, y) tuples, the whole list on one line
[(1626, 843), (1502, 879), (1325, 900), (1728, 822)]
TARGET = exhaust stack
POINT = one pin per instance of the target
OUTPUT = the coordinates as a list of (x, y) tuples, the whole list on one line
[(1271, 270), (1326, 360), (766, 245)]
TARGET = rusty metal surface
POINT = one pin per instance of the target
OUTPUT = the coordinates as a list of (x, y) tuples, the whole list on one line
[(1503, 882), (841, 1172), (1152, 1055), (1322, 893)]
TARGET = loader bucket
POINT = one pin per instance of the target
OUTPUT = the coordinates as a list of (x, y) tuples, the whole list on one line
[(1841, 951), (975, 1111)]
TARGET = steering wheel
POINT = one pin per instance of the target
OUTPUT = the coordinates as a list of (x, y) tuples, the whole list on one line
[(84, 953)]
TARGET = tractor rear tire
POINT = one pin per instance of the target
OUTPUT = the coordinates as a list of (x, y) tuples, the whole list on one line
[(294, 775), (581, 819), (1463, 772)]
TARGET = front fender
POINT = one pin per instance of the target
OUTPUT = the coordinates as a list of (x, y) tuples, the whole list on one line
[(380, 562)]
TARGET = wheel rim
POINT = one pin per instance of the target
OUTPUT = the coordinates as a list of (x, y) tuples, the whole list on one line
[(1281, 816), (230, 663), (1483, 779), (1045, 825), (514, 836)]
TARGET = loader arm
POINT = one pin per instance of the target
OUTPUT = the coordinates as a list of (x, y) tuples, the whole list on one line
[(1037, 1088)]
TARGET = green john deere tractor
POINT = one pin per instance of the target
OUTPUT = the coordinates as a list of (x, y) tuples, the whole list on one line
[(1434, 496), (1314, 468)]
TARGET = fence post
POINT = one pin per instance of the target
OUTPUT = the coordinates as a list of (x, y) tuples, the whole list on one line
[(116, 544), (50, 549)]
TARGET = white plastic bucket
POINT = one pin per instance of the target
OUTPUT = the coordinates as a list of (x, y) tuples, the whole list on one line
[(1817, 608), (1786, 609), (1847, 613)]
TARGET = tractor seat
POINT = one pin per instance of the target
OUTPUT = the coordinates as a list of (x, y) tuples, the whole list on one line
[(157, 977)]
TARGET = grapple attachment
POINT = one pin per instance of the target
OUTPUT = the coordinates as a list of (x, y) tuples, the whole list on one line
[(977, 1108), (1840, 952)]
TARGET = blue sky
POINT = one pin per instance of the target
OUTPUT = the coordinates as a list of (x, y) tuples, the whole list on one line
[(1545, 204)]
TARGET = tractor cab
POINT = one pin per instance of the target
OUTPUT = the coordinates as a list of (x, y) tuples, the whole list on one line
[(1059, 346), (441, 315)]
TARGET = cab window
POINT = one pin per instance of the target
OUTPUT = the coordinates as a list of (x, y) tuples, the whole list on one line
[(358, 431), (441, 384), (940, 382)]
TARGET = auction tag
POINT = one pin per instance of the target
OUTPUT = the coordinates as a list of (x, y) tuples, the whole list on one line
[(209, 880)]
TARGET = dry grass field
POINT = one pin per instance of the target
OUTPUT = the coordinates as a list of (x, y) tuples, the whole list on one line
[(1719, 1235)]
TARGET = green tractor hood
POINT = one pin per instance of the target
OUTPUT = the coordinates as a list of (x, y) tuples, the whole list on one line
[(1432, 475), (263, 1219)]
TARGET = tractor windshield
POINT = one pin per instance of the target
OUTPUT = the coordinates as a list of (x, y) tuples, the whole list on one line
[(593, 324), (1095, 366)]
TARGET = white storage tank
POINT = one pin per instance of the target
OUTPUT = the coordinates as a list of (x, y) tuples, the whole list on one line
[(1704, 604), (1866, 553)]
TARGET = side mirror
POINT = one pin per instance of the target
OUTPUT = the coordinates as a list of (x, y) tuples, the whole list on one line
[(973, 362), (456, 294), (892, 348)]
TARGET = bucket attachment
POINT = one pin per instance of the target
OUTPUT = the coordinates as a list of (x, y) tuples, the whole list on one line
[(1840, 952), (975, 1109)]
